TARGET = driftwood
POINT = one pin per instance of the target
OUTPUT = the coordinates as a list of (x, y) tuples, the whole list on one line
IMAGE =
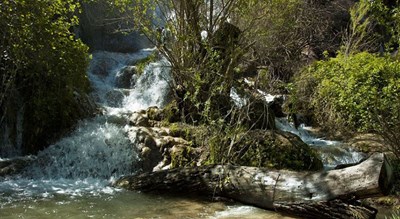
[(328, 194)]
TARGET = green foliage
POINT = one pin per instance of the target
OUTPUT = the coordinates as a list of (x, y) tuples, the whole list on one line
[(141, 64), (262, 148), (351, 93), (203, 69), (50, 63), (361, 35), (388, 22), (395, 215)]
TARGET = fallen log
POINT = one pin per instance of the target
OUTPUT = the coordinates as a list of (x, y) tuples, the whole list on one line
[(299, 193)]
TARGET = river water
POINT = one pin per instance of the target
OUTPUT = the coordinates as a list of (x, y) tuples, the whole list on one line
[(71, 178)]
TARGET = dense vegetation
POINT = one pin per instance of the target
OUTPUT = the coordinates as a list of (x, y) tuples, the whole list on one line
[(211, 46), (358, 90), (42, 63)]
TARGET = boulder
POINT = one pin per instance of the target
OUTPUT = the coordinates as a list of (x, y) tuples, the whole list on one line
[(159, 150), (114, 98), (275, 149), (126, 77)]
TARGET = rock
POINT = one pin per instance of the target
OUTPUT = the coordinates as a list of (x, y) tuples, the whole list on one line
[(156, 146), (139, 119), (103, 66), (87, 106), (14, 166), (276, 149), (114, 98), (120, 120), (126, 77), (183, 155)]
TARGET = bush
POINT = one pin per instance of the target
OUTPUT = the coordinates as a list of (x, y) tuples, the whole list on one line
[(352, 92), (46, 64)]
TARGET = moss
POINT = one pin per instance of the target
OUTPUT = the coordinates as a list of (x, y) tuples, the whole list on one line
[(183, 156), (275, 150)]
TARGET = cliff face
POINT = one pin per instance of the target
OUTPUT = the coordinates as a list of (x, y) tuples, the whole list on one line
[(100, 29)]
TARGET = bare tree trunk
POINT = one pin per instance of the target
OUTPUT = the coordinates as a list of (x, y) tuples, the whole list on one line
[(299, 193)]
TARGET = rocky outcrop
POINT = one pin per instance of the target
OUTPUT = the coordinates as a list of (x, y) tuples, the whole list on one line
[(126, 77), (165, 145), (159, 147)]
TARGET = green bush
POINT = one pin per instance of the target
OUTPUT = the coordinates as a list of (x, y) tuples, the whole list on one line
[(351, 93), (48, 63)]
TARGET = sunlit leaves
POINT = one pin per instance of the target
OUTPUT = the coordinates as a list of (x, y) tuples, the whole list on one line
[(350, 92), (50, 61)]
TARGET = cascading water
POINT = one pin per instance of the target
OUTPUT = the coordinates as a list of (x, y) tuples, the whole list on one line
[(97, 151), (332, 153), (71, 178)]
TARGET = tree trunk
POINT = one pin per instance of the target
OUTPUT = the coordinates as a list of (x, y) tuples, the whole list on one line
[(299, 193)]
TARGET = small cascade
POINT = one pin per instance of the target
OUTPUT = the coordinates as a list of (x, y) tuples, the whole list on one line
[(151, 89), (332, 153), (302, 131), (95, 149), (98, 151)]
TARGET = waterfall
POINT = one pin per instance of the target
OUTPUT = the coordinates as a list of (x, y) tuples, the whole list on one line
[(98, 150)]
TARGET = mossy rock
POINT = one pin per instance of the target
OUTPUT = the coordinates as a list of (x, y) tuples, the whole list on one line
[(275, 149), (183, 156), (169, 114)]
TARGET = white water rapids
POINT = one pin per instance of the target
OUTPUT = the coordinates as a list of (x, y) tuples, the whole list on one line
[(71, 178)]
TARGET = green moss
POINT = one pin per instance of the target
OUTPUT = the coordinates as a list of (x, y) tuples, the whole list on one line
[(275, 150), (183, 156)]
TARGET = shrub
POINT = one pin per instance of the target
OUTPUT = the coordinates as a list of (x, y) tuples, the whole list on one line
[(351, 92), (44, 61)]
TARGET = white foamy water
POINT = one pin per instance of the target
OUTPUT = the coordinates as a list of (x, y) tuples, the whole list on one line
[(302, 131), (151, 88), (71, 178), (332, 153), (96, 152)]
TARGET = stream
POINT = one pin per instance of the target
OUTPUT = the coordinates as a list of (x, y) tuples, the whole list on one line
[(71, 178)]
